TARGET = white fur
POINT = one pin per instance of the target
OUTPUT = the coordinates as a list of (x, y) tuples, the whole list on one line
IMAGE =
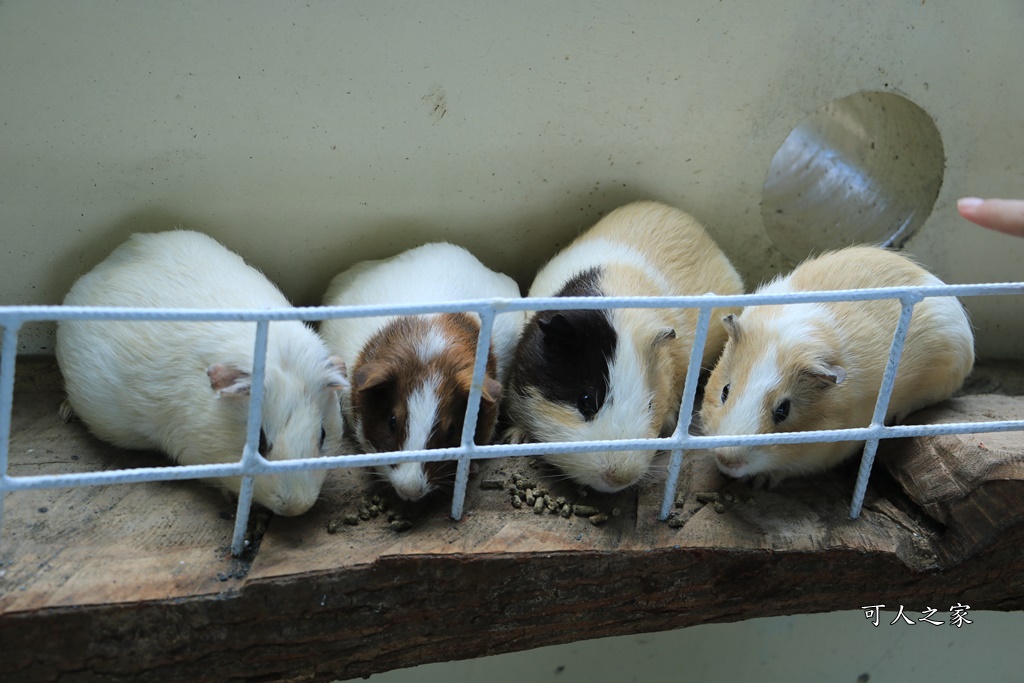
[(595, 253), (429, 273), (144, 385)]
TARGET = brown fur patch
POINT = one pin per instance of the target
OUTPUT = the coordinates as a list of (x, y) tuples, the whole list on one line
[(398, 367)]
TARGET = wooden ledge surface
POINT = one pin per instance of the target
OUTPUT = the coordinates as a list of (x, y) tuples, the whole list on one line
[(108, 583)]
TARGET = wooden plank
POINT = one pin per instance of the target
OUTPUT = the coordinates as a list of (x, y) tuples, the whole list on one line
[(970, 483), (108, 544), (124, 582)]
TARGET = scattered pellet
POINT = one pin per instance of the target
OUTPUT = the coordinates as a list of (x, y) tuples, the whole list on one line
[(364, 513), (529, 497), (566, 511), (675, 522), (516, 478), (401, 525), (538, 506), (560, 501), (711, 497), (351, 520), (599, 518), (517, 502), (584, 510), (513, 490), (550, 503), (680, 501), (492, 484), (719, 508), (382, 505), (540, 492), (374, 511), (376, 500), (332, 526)]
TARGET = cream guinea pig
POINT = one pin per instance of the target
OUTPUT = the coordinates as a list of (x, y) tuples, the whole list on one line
[(183, 387), (411, 374), (581, 375), (818, 366)]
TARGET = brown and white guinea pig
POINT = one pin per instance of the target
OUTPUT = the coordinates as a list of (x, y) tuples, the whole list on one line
[(411, 375), (819, 366), (619, 373), (183, 387)]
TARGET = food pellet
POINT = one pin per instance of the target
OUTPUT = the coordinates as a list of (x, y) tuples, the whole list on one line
[(401, 525), (351, 520), (332, 526), (675, 522), (374, 511), (529, 497), (375, 500), (680, 501), (538, 506), (364, 514), (585, 510), (597, 519), (566, 511), (550, 503), (719, 508), (517, 502), (492, 484), (527, 484), (516, 478), (707, 497), (513, 490), (560, 501)]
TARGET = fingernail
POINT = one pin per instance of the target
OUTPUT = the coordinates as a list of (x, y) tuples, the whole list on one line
[(969, 203)]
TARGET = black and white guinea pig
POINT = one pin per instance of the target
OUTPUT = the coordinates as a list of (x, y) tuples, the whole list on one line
[(616, 374), (183, 387), (804, 367), (411, 375)]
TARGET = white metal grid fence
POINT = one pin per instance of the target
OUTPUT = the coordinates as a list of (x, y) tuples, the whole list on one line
[(251, 463)]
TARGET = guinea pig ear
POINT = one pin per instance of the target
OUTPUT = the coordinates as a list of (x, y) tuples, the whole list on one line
[(663, 336), (732, 326), (491, 390), (369, 375), (557, 329), (827, 374), (229, 380), (337, 375)]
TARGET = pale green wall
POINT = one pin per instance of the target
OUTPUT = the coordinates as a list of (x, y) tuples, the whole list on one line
[(309, 135)]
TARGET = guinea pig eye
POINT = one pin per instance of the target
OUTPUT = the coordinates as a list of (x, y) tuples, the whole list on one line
[(587, 405), (725, 393), (392, 424), (264, 445), (323, 437), (781, 412)]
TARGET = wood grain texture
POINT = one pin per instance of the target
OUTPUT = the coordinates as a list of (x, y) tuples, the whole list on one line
[(119, 582)]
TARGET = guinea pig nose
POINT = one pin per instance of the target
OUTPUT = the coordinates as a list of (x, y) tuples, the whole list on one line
[(728, 459)]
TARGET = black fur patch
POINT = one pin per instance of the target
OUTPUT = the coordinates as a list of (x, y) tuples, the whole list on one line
[(565, 354)]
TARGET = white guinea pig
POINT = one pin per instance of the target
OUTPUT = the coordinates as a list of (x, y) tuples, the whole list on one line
[(411, 375), (183, 387), (615, 374), (819, 366)]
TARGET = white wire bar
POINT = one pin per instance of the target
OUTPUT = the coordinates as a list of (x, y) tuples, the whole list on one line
[(252, 464)]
